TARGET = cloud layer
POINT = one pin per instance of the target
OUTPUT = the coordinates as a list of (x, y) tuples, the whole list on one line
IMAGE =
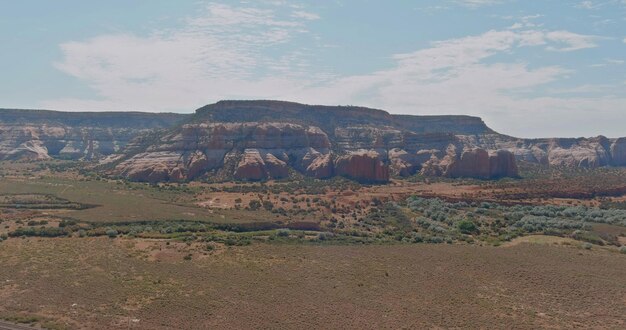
[(229, 52)]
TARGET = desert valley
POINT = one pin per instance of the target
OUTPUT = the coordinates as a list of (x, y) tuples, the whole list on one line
[(271, 214)]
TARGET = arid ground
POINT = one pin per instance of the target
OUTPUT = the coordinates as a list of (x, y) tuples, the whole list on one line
[(103, 283), (79, 251)]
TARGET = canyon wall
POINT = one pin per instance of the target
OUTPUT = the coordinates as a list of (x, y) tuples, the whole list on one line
[(259, 140), (42, 134)]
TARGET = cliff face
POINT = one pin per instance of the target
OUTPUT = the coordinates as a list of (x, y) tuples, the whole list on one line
[(255, 140), (618, 152), (251, 151), (40, 134), (464, 125), (563, 152)]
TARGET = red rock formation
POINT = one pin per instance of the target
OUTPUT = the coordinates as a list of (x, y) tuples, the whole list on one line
[(253, 166), (321, 167), (472, 164), (502, 164), (404, 163), (41, 134), (197, 165), (275, 167), (362, 166)]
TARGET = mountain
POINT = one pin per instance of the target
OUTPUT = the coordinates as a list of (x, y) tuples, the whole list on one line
[(44, 134), (257, 140)]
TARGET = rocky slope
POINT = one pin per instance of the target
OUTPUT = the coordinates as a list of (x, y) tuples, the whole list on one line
[(255, 140), (564, 152), (41, 134)]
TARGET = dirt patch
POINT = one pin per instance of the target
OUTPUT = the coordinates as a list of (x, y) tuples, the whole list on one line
[(542, 240), (285, 286)]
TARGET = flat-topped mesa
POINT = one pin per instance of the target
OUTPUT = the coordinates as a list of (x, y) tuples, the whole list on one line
[(330, 117), (327, 118), (461, 125), (258, 140), (45, 134), (103, 119)]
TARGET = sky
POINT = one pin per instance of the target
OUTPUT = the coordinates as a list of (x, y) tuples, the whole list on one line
[(529, 68)]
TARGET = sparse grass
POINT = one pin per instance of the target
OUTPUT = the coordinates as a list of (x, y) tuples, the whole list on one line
[(351, 255), (334, 286)]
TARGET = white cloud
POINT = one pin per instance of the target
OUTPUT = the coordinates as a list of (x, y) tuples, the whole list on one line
[(477, 3), (624, 41), (597, 4), (305, 15), (607, 62), (448, 76), (586, 5), (451, 77), (219, 54), (569, 41), (247, 53)]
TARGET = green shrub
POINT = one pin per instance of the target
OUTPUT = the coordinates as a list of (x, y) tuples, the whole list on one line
[(268, 205), (324, 236), (283, 233), (467, 227), (589, 237), (587, 246), (254, 205), (112, 233), (435, 240), (623, 249)]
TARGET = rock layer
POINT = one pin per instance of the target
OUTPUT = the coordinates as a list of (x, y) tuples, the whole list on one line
[(362, 166), (41, 134), (259, 140)]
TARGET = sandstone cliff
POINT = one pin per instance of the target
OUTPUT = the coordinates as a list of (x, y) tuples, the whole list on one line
[(41, 134), (258, 140), (561, 152)]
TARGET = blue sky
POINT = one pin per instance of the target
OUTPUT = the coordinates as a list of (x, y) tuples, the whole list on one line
[(529, 68)]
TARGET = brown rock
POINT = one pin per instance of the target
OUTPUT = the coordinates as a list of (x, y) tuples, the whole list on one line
[(362, 166), (402, 163), (321, 167), (473, 163), (502, 164), (177, 174), (275, 168), (618, 152), (198, 164), (432, 167), (41, 134), (255, 166), (149, 167), (251, 166)]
